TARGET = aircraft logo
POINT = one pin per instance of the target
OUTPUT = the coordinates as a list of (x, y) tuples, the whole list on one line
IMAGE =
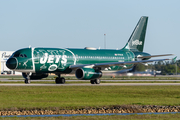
[(136, 42), (53, 58)]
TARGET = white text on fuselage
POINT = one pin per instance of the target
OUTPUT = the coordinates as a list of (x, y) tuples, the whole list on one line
[(53, 59)]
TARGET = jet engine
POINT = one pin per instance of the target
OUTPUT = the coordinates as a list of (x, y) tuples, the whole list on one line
[(88, 73)]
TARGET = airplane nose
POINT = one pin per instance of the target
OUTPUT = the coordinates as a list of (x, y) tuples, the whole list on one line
[(11, 63)]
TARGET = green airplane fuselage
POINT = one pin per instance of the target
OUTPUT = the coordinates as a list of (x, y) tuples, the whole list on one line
[(54, 60), (87, 64)]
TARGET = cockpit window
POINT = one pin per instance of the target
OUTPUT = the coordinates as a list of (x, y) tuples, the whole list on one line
[(21, 55), (16, 55)]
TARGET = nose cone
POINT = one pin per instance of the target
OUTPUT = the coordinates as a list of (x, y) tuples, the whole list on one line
[(11, 63)]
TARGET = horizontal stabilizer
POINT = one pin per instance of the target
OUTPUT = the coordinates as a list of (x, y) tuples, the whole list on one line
[(154, 56)]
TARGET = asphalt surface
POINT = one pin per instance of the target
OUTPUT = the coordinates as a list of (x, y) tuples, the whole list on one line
[(6, 80), (88, 84)]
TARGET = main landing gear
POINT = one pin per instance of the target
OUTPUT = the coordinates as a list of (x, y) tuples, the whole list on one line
[(60, 80), (95, 81), (27, 78)]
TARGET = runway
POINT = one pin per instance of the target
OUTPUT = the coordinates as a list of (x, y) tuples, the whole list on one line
[(88, 84), (7, 80)]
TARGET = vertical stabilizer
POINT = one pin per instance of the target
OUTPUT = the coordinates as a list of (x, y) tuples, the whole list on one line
[(137, 38)]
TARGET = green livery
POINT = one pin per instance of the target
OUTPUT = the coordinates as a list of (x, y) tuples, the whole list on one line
[(137, 38), (87, 63)]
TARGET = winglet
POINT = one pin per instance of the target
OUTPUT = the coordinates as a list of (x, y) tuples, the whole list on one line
[(174, 59)]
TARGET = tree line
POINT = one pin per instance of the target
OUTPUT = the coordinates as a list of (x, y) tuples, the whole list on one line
[(166, 67)]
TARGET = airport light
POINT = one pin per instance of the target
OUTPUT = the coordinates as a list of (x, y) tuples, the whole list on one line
[(104, 41)]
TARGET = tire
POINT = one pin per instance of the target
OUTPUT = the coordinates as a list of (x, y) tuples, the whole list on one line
[(57, 80), (62, 80), (27, 81), (92, 81), (97, 81), (27, 78)]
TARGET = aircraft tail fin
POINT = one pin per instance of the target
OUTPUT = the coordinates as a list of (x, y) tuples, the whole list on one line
[(137, 38)]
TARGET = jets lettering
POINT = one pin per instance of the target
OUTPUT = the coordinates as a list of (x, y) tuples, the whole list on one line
[(53, 59)]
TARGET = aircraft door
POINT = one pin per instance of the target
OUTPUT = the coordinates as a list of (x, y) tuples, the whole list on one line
[(129, 56)]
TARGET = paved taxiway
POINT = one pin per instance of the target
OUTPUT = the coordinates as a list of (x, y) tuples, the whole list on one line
[(88, 84), (6, 80)]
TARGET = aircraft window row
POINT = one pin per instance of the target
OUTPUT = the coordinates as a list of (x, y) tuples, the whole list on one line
[(97, 57)]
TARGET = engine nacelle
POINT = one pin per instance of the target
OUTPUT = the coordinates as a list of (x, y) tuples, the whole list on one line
[(88, 73)]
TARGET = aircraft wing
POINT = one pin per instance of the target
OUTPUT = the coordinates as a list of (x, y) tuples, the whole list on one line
[(113, 63)]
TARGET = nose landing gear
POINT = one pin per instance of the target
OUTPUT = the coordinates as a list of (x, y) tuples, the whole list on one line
[(27, 78)]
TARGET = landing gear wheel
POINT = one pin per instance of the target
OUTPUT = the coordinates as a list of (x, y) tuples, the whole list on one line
[(63, 80), (27, 81), (60, 80), (92, 81), (97, 81), (57, 80), (27, 78)]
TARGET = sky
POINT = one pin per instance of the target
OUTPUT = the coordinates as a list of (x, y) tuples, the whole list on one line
[(83, 23)]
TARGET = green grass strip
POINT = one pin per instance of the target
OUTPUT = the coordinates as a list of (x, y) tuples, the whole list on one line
[(72, 97)]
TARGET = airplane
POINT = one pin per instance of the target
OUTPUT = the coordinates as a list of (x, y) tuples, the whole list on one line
[(86, 64)]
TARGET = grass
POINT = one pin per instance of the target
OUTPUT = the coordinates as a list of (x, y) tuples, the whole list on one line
[(68, 97), (113, 117), (72, 97)]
